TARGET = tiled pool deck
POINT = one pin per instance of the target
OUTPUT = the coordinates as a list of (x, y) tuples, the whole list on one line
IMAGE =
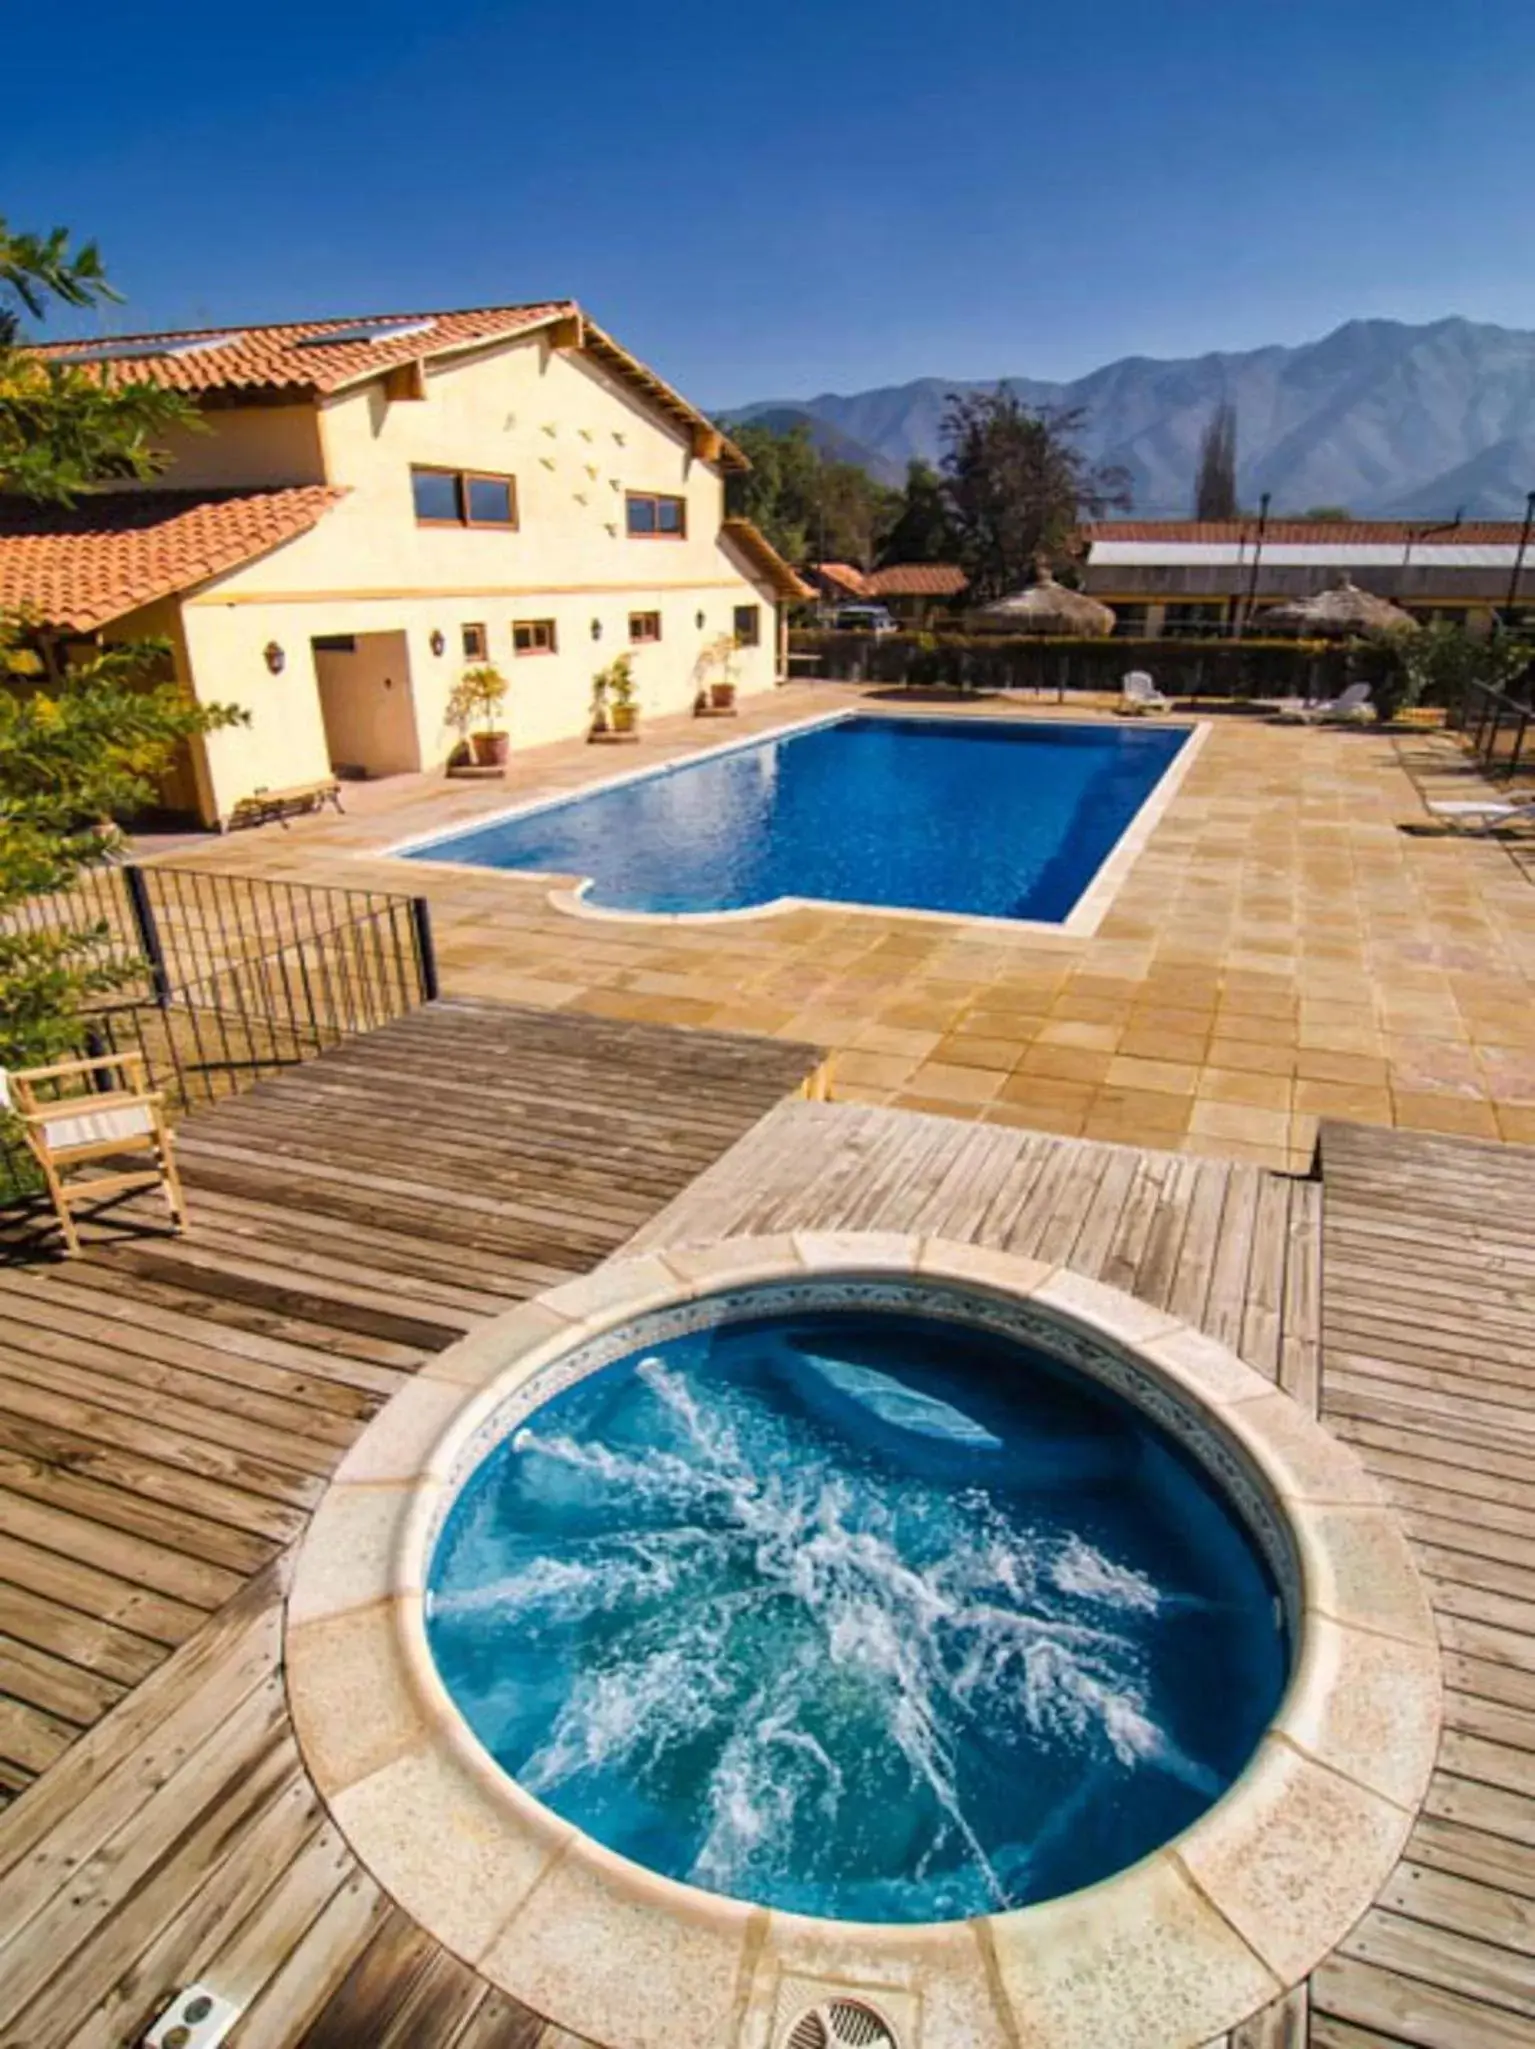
[(1280, 951)]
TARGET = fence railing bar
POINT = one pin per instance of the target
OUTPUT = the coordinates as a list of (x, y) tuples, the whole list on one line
[(240, 975)]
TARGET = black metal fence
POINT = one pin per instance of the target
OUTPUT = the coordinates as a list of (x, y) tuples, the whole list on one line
[(1046, 666), (1496, 727), (231, 977)]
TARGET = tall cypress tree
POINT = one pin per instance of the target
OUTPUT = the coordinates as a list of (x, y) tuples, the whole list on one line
[(1215, 485)]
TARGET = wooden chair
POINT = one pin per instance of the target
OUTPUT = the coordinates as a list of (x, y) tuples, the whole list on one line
[(64, 1131)]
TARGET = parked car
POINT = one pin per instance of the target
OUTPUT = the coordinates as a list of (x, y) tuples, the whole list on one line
[(862, 619)]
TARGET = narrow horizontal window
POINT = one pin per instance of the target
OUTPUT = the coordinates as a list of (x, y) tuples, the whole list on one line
[(474, 643), (652, 517), (644, 625), (436, 496), (748, 625), (463, 498), (534, 637)]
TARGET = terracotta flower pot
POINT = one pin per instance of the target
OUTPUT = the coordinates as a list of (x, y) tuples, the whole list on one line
[(722, 696), (490, 749)]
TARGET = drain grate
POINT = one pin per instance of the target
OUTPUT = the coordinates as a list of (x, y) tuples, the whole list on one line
[(840, 2024)]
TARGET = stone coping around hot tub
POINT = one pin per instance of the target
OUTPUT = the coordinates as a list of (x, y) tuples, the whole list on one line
[(1173, 1951)]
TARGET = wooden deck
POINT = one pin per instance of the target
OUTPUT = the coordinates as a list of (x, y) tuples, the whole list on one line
[(170, 1409), (1428, 1333), (179, 1838)]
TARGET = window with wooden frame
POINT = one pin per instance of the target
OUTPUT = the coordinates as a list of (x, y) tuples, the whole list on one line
[(489, 500), (656, 517), (644, 626), (475, 643), (463, 498), (534, 637), (436, 497), (748, 625)]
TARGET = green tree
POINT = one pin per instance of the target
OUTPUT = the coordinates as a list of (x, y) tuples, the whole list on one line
[(1215, 484), (923, 530), (1438, 663), (778, 493), (65, 426), (1017, 484), (86, 748), (810, 507)]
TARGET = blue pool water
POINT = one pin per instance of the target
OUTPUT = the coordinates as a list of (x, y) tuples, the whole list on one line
[(995, 818), (861, 1615)]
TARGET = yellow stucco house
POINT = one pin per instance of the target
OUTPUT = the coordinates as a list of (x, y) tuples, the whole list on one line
[(374, 504)]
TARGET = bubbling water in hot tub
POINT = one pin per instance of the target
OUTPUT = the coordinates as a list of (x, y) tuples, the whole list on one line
[(882, 1618)]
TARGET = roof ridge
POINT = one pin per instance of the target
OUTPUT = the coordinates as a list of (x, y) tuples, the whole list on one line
[(239, 327)]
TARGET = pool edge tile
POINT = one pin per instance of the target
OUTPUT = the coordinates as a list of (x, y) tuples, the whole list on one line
[(1144, 1957), (620, 1954), (1367, 1706), (1295, 1861)]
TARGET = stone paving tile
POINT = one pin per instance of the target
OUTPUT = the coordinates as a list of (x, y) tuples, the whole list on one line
[(1279, 950)]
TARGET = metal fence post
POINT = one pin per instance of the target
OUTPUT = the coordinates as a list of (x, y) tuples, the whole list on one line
[(426, 952), (149, 932)]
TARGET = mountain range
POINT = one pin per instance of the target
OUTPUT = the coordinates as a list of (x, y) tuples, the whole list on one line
[(1378, 416)]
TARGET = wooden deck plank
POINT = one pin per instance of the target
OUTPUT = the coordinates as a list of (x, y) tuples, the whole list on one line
[(169, 1412), (1428, 1324), (170, 1408), (1445, 1960)]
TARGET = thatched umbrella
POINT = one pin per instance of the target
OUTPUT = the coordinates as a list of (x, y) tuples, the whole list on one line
[(1048, 607), (1343, 613)]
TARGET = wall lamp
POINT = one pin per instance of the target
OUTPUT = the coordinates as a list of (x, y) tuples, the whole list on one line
[(274, 658)]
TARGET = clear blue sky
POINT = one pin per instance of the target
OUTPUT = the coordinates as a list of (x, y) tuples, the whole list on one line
[(779, 201)]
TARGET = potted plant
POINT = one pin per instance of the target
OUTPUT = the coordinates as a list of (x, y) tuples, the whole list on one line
[(613, 703), (473, 707), (601, 726), (721, 655)]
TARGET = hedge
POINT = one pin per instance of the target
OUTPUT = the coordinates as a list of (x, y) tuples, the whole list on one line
[(1182, 668)]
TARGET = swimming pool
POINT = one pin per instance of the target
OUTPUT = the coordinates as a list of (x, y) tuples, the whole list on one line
[(980, 817)]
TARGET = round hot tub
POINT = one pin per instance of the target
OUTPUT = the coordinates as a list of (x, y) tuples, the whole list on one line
[(856, 1611), (872, 1619)]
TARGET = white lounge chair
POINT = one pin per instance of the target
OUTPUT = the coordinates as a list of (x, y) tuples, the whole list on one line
[(1483, 814), (1352, 708), (1141, 695)]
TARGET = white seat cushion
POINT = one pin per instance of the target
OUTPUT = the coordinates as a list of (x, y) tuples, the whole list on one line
[(86, 1126)]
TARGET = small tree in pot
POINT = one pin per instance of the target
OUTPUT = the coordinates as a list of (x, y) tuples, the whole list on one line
[(474, 709), (719, 661), (613, 704)]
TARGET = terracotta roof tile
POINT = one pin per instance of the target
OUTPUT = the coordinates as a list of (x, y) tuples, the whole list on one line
[(81, 566), (308, 358), (917, 580), (297, 356), (1297, 532), (841, 577)]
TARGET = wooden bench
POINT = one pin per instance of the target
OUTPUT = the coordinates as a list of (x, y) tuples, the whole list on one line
[(263, 805)]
